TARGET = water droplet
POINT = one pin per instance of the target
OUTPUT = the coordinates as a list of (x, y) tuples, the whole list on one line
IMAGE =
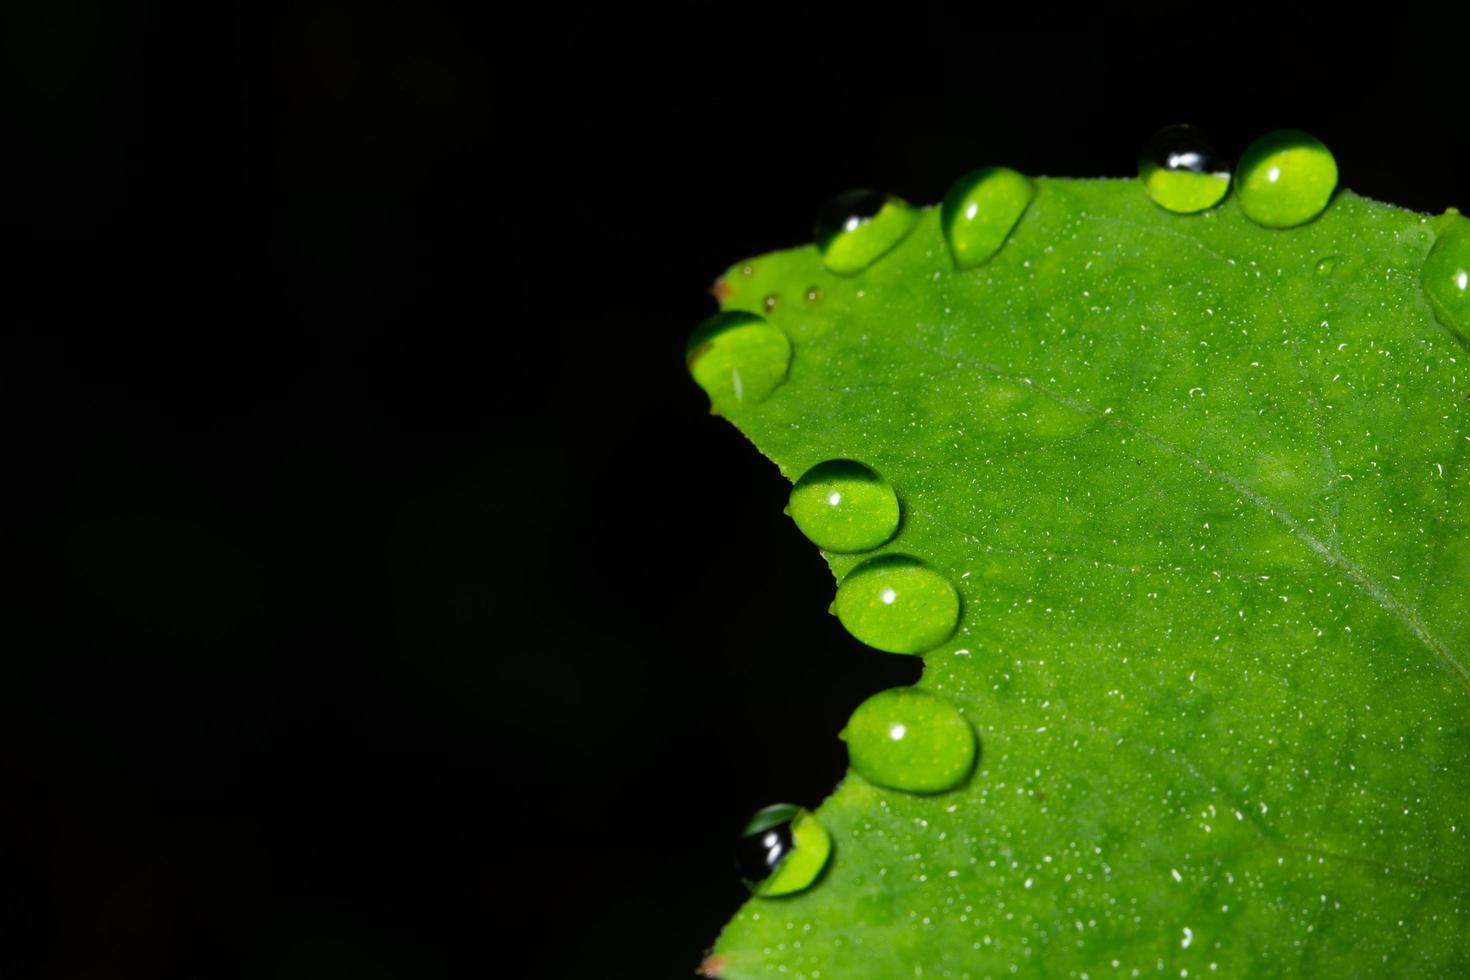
[(1325, 267), (1181, 170), (769, 303), (782, 850), (980, 210), (738, 359), (857, 228), (898, 604), (813, 294), (1446, 274), (844, 506), (911, 740), (1285, 179)]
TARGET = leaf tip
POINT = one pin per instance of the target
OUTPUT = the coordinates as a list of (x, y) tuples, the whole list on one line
[(712, 966), (721, 290)]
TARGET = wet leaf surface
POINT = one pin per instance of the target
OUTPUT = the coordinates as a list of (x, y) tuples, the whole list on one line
[(1202, 488)]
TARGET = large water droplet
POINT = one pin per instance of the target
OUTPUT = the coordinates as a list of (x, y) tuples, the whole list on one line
[(1326, 265), (782, 850), (980, 210), (738, 359), (1285, 179), (857, 228), (1181, 171), (845, 506), (898, 604), (1446, 274), (911, 740)]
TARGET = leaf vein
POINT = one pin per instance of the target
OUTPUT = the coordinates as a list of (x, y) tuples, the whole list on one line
[(1330, 556)]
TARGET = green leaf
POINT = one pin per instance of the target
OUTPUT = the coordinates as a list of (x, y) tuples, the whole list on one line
[(1202, 487)]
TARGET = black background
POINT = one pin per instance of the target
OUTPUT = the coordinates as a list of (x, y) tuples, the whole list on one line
[(390, 605)]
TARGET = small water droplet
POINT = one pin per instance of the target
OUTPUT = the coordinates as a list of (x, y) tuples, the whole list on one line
[(911, 740), (1181, 170), (738, 359), (769, 303), (844, 506), (1446, 274), (898, 604), (782, 850), (980, 210), (859, 227), (1326, 265), (813, 294), (1285, 178)]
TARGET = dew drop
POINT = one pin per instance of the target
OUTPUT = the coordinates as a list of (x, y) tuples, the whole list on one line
[(738, 359), (1181, 170), (1446, 274), (782, 850), (857, 228), (1285, 179), (844, 506), (813, 294), (1326, 265), (980, 210), (898, 604), (769, 303), (910, 740)]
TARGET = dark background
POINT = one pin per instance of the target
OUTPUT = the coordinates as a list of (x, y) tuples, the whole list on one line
[(389, 604)]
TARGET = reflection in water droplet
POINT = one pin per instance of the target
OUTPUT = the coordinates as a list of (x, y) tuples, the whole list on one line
[(1446, 275), (782, 850), (1325, 267), (859, 227), (738, 359), (841, 505), (980, 210), (1285, 178), (770, 301), (898, 604), (911, 740), (1181, 171)]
